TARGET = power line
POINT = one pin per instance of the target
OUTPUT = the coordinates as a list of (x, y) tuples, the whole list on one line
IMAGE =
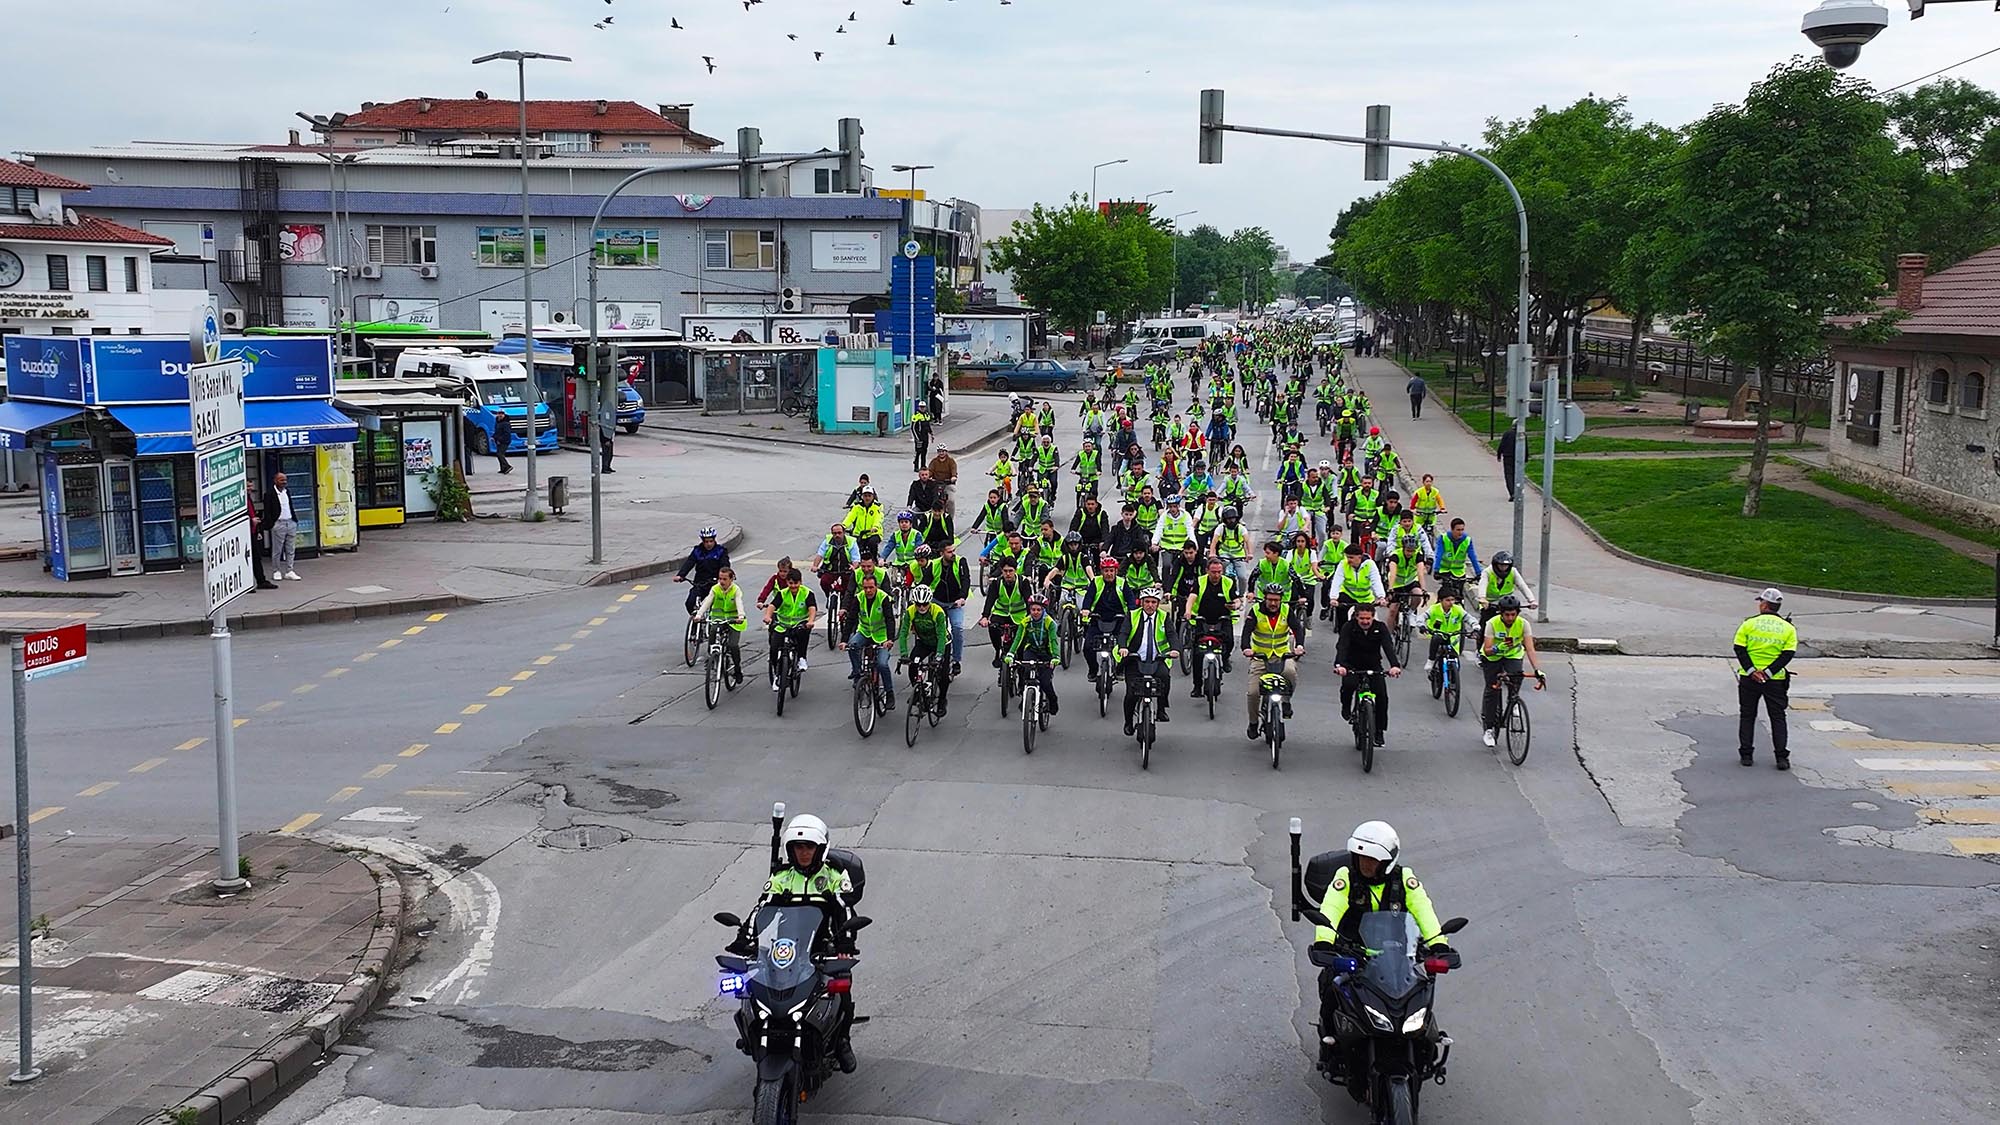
[(1935, 73)]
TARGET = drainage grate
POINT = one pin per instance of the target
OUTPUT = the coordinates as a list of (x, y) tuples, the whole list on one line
[(242, 990), (585, 837)]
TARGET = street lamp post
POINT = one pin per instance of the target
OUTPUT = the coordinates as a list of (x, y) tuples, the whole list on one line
[(520, 61), (1093, 177), (336, 263), (913, 169), (1174, 302)]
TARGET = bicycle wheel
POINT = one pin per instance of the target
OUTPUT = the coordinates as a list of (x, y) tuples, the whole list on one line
[(1274, 731), (711, 676), (833, 628), (1103, 694), (914, 721), (1068, 646), (1006, 689), (1028, 701), (1452, 691), (1518, 729), (1364, 732), (783, 674), (1437, 680), (1146, 734), (1211, 686), (689, 640), (864, 705)]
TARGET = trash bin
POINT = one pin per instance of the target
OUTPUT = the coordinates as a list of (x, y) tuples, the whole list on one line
[(1691, 413), (558, 494), (882, 423)]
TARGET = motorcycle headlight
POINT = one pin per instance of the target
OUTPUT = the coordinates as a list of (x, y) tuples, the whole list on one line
[(1416, 1021), (762, 1012), (1380, 1021)]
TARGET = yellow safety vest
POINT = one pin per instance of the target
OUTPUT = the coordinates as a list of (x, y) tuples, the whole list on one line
[(1270, 637)]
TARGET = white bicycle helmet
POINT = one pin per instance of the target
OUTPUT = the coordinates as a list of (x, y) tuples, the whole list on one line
[(1378, 841), (809, 829), (1153, 592), (920, 595)]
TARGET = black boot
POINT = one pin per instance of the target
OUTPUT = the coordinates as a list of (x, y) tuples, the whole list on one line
[(843, 1053)]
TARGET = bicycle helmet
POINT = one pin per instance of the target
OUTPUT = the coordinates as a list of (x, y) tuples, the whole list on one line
[(1108, 566), (1037, 600), (806, 829), (1502, 560), (1375, 431), (708, 533), (1153, 592), (1509, 603), (1073, 539), (1174, 499), (1231, 513), (923, 550), (1273, 588), (1377, 841), (920, 595), (906, 514)]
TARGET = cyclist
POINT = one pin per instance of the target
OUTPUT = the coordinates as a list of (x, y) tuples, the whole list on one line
[(928, 633), (1456, 561), (904, 541), (1427, 502), (1126, 535), (1503, 581), (1406, 574), (1505, 640), (1011, 549), (1407, 532), (1147, 646), (1388, 462), (1317, 498), (1293, 520), (994, 519), (1038, 640), (1032, 509), (950, 580), (1093, 524), (864, 521), (1206, 520), (705, 562), (791, 616), (1002, 473), (1209, 605), (1445, 626), (1147, 511), (723, 607), (837, 558), (1089, 466), (1365, 650), (1306, 579), (1072, 573), (1104, 608), (1271, 643), (1048, 463), (1176, 527), (874, 623), (1359, 584), (1008, 596)]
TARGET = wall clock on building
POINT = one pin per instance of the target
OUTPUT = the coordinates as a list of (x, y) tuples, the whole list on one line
[(10, 269)]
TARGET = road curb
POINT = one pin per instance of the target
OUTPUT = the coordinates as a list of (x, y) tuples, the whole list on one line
[(271, 1071)]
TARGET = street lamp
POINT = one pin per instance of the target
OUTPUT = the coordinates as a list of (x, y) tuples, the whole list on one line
[(913, 169), (1174, 302), (1093, 176), (520, 61), (336, 263)]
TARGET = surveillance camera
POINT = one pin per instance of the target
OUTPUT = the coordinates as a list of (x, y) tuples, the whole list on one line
[(1841, 28)]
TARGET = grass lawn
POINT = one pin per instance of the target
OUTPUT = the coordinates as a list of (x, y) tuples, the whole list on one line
[(1688, 511), (1902, 507), (1598, 443)]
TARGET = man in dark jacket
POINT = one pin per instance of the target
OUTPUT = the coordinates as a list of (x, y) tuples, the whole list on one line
[(923, 493), (1126, 535), (1508, 446), (503, 439), (1366, 650)]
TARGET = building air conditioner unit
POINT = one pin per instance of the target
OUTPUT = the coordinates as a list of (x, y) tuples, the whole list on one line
[(428, 273), (792, 300), (232, 320), (371, 271)]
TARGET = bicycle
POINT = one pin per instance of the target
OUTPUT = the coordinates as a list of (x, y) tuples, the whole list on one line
[(1005, 642), (1107, 675), (1364, 721), (1407, 608), (799, 402), (1272, 688), (870, 700), (1209, 645), (694, 640), (785, 672), (836, 612), (1070, 628), (1145, 728), (1445, 683), (1514, 721), (721, 666), (925, 698), (1034, 716)]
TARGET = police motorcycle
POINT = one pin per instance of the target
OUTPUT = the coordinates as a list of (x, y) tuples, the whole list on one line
[(1385, 1023), (792, 967)]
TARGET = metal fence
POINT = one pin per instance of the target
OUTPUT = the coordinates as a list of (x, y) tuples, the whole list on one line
[(1672, 365)]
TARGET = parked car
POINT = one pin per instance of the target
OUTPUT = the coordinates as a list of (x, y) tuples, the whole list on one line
[(1036, 375), (631, 408), (1139, 354)]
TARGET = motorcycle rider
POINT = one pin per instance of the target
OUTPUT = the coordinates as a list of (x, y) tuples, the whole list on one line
[(1368, 882), (806, 874)]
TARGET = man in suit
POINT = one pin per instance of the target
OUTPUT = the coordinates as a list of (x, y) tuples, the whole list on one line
[(278, 516)]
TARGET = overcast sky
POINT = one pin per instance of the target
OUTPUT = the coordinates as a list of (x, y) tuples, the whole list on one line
[(1012, 102)]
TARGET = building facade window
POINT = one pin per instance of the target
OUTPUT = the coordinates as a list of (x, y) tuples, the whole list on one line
[(635, 146), (97, 273), (369, 142), (131, 275), (58, 271), (629, 248), (741, 249), (17, 200), (1938, 391), (501, 246), (567, 142), (402, 246), (1972, 392), (826, 181)]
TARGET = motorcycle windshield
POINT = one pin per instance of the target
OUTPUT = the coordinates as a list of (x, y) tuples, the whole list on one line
[(1392, 942), (784, 945)]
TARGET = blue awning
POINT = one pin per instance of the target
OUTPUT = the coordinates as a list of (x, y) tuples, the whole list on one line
[(17, 418), (163, 429)]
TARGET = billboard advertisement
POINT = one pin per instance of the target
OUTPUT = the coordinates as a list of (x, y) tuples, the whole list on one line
[(404, 310), (844, 251), (49, 367), (986, 339), (806, 329), (135, 370), (643, 316), (627, 248), (724, 329), (302, 244)]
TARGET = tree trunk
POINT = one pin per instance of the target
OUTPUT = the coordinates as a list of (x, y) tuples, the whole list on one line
[(1632, 349), (1760, 452)]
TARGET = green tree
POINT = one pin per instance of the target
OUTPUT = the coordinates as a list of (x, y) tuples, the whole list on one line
[(1953, 194), (1064, 260), (1783, 214)]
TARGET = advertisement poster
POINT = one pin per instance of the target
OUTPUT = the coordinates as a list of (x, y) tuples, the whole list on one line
[(980, 339), (48, 367), (334, 466), (501, 246), (641, 316), (842, 251), (134, 370), (722, 329), (302, 244), (806, 329), (419, 455), (404, 310), (308, 312), (498, 318), (629, 248)]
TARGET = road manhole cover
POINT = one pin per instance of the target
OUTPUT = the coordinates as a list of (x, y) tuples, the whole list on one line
[(585, 837)]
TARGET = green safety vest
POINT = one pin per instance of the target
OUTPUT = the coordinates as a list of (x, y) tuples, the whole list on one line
[(1231, 542), (1269, 571), (1501, 586), (1508, 643), (1149, 516), (874, 623), (1355, 584), (1049, 455), (1450, 624), (1270, 637), (1011, 602), (1765, 637), (791, 607), (1173, 533), (1408, 563), (993, 517), (1087, 462), (904, 544), (1208, 520), (1039, 638), (1317, 495), (725, 604), (1455, 555)]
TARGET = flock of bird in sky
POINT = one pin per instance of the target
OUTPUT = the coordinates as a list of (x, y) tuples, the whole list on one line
[(818, 53)]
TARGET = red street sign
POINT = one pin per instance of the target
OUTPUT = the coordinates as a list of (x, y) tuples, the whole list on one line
[(57, 650)]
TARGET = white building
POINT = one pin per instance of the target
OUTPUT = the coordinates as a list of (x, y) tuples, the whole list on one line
[(68, 274)]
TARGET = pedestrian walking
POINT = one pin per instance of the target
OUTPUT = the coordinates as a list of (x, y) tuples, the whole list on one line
[(604, 447), (1508, 447), (1765, 645), (920, 429), (937, 397), (503, 439), (284, 530), (1417, 389)]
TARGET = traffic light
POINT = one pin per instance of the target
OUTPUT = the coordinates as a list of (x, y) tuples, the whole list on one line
[(749, 176), (850, 154), (1211, 126), (1375, 158)]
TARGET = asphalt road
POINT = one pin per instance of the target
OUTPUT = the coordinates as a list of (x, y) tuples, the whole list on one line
[(1656, 934)]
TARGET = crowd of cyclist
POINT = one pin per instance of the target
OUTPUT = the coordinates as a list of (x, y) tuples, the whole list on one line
[(1157, 552)]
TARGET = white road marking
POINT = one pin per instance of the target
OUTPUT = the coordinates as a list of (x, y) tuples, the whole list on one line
[(478, 904), (1837, 724), (1926, 765)]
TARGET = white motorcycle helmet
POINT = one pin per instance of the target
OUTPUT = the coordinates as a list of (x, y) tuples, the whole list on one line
[(1377, 841), (808, 829)]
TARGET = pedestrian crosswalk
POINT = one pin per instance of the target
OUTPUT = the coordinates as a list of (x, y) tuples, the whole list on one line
[(1969, 804)]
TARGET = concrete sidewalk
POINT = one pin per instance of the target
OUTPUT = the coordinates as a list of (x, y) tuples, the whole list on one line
[(1647, 610), (153, 993), (971, 418), (424, 565)]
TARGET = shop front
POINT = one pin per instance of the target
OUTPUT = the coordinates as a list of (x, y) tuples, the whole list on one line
[(752, 378), (409, 429)]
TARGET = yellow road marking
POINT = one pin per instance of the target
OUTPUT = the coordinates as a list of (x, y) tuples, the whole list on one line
[(596, 621), (147, 765), (379, 771), (298, 822), (334, 673), (392, 642), (414, 630), (564, 647), (436, 617), (544, 661), (437, 793), (1944, 788), (642, 586), (1976, 845), (611, 609), (580, 634), (1865, 743), (99, 789), (191, 743), (267, 708), (1805, 704), (363, 658), (415, 749), (503, 689), (344, 794), (628, 597), (237, 722), (446, 728), (524, 674), (303, 688), (473, 709), (40, 815), (1960, 816)]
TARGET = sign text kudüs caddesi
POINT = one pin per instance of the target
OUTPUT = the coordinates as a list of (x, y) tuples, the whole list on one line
[(58, 650)]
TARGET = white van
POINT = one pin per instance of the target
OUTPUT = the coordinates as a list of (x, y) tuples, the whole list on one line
[(1180, 332), (492, 386)]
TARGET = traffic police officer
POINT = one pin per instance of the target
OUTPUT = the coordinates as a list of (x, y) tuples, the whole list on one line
[(1765, 644)]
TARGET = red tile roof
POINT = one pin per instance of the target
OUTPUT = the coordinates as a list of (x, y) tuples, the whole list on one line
[(1961, 301), (14, 174), (87, 228), (496, 115)]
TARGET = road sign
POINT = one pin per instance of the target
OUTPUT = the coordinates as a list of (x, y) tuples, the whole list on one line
[(226, 563), (220, 481), (58, 650), (215, 400), (205, 334), (911, 249)]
